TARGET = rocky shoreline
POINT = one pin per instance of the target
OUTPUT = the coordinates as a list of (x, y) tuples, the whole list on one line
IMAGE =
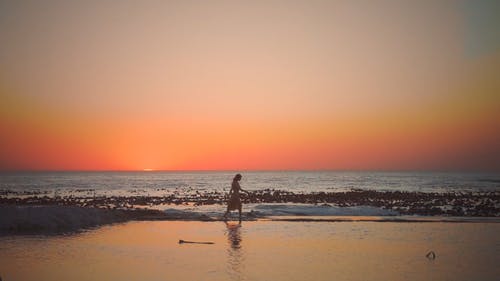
[(466, 204)]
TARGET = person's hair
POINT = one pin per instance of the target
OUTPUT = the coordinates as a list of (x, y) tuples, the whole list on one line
[(237, 177)]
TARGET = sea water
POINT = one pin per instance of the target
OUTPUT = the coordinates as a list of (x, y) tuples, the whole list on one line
[(159, 183)]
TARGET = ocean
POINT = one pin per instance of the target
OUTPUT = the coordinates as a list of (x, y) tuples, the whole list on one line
[(159, 183), (274, 193)]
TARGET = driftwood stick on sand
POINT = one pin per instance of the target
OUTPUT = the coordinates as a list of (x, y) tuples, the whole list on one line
[(193, 242)]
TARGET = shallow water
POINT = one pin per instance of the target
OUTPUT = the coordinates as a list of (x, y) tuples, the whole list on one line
[(261, 250)]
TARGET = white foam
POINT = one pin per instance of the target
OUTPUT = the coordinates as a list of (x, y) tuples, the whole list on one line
[(262, 210), (320, 210)]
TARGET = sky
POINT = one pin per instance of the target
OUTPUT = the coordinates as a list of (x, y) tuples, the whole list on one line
[(250, 85)]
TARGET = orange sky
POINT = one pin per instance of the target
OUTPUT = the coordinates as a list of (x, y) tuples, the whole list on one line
[(182, 85)]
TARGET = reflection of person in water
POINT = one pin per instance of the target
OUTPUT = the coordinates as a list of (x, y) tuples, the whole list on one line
[(234, 235), (234, 202), (235, 253)]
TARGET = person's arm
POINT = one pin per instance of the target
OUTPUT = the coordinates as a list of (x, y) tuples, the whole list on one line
[(242, 190)]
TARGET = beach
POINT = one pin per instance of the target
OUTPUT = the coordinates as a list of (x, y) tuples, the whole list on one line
[(258, 250), (295, 226)]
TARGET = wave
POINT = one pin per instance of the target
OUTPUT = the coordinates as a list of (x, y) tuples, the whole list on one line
[(320, 210), (62, 219)]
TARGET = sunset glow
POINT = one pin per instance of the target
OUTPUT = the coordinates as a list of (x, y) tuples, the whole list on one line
[(225, 85)]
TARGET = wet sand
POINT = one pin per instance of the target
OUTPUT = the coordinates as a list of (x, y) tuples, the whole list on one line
[(258, 250)]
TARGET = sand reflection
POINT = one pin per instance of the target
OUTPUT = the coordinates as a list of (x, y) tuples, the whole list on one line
[(235, 253)]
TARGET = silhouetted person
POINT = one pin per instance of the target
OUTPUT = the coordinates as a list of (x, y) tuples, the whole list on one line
[(234, 202)]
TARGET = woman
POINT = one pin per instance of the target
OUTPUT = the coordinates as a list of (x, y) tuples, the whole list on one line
[(234, 202)]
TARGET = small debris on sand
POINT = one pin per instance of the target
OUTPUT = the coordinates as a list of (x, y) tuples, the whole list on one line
[(431, 255)]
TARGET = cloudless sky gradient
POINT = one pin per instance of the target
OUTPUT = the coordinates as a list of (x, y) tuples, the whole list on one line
[(238, 85)]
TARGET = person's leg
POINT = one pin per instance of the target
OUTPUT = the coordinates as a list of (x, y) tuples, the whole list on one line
[(239, 211), (227, 212)]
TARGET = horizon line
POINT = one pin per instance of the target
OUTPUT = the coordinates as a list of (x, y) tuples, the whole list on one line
[(246, 170)]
